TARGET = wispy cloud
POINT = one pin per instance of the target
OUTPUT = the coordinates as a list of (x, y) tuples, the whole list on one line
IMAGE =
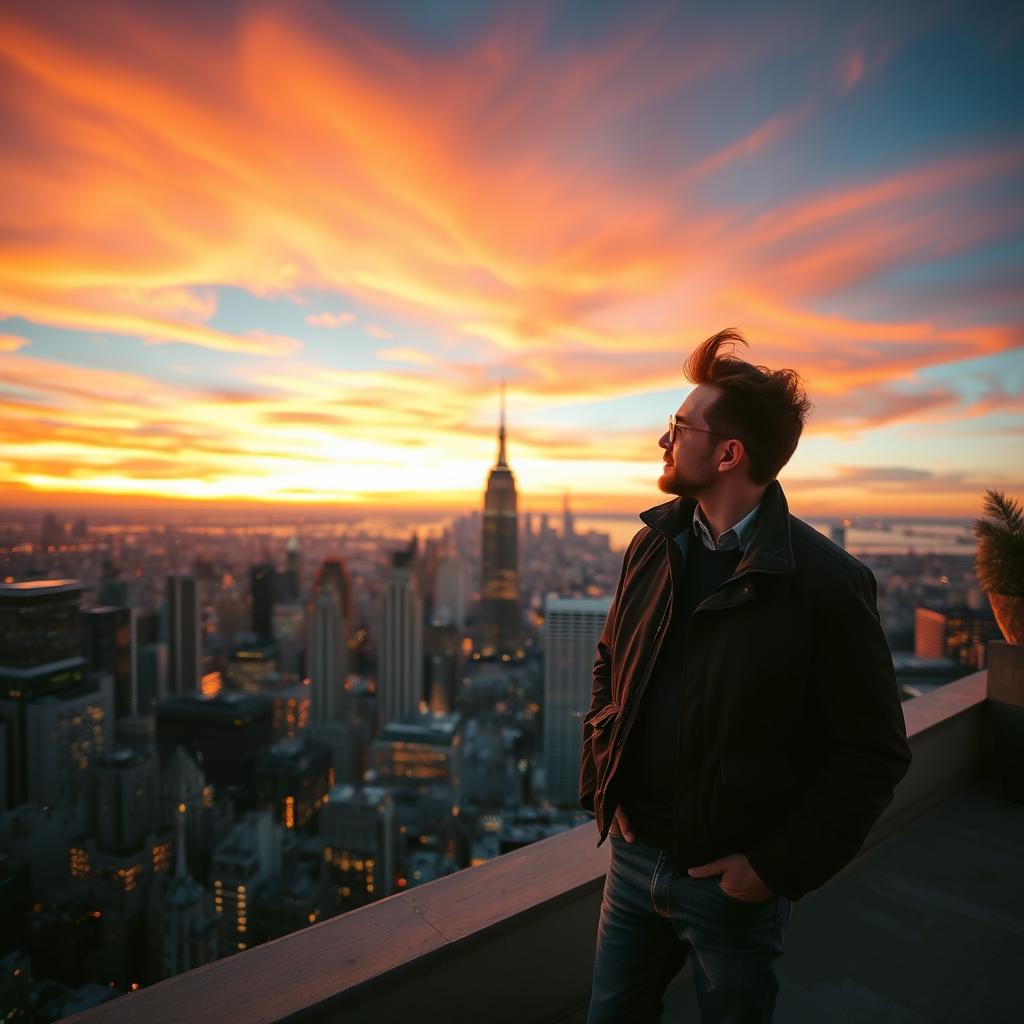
[(330, 319), (406, 355), (559, 213)]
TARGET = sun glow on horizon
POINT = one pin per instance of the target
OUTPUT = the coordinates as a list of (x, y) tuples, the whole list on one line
[(284, 256)]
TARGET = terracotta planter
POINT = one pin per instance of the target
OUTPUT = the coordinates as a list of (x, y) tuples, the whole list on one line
[(1009, 612)]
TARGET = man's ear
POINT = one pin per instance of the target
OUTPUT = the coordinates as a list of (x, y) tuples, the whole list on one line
[(732, 455)]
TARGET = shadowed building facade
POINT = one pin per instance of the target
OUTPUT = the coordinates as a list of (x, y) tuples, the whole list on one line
[(400, 661), (499, 590)]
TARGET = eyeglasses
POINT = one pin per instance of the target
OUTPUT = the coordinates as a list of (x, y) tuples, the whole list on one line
[(674, 425)]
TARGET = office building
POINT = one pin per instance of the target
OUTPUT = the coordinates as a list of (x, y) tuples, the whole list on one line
[(327, 654), (151, 674), (40, 656), (400, 653), (261, 589), (450, 593), (960, 633), (207, 820), (443, 662), (224, 733), (53, 533), (568, 521), (292, 706), (252, 667), (118, 886), (499, 589), (39, 837), (190, 933), (183, 637), (246, 861), (109, 647), (334, 572), (65, 734), (359, 835), (417, 751), (122, 800), (572, 626), (293, 778), (289, 624)]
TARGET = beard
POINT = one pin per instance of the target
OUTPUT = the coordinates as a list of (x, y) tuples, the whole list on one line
[(687, 482)]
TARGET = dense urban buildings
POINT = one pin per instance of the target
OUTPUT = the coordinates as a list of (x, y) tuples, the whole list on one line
[(212, 735)]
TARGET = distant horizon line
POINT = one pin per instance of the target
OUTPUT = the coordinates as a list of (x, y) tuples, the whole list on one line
[(249, 512)]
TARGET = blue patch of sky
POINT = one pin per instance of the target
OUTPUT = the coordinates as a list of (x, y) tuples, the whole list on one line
[(974, 377), (346, 346), (440, 24), (968, 269), (450, 23), (646, 411), (940, 95), (170, 363)]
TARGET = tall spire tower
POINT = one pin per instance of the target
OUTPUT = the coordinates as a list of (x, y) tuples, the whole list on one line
[(502, 461), (499, 591)]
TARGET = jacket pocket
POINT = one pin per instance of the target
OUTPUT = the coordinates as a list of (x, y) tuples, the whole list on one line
[(605, 716), (600, 740), (757, 773)]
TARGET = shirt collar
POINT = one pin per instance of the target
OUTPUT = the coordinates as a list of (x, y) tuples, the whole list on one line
[(737, 537)]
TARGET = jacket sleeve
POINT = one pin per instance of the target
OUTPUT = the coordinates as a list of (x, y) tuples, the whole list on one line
[(600, 693), (858, 720)]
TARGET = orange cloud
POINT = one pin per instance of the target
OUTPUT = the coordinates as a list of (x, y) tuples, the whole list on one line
[(156, 159), (330, 319)]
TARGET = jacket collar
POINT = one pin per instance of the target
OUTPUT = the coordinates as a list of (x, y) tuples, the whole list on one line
[(771, 546)]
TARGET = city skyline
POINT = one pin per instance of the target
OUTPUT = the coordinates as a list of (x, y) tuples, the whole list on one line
[(285, 257)]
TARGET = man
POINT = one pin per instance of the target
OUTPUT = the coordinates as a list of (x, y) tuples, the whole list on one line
[(745, 728)]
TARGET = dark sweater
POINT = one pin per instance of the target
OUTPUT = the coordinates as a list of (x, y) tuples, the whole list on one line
[(649, 790)]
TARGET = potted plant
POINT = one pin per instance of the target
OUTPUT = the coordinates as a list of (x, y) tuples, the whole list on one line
[(1000, 562), (1000, 569)]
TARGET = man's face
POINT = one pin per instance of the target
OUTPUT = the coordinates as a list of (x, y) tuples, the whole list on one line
[(689, 464)]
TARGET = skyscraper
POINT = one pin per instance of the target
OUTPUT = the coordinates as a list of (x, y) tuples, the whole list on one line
[(400, 660), (261, 583), (293, 570), (64, 735), (110, 647), (189, 926), (40, 657), (499, 591), (450, 593), (328, 655), (184, 648), (121, 799), (247, 860), (572, 626), (359, 833), (568, 523)]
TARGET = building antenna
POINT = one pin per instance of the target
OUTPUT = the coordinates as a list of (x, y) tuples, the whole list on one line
[(502, 462)]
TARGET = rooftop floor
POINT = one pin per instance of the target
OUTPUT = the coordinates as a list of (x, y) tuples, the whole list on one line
[(925, 927)]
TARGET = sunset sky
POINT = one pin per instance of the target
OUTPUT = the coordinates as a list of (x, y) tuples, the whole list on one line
[(286, 252)]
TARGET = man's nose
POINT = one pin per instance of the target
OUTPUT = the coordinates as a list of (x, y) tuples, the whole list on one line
[(663, 441)]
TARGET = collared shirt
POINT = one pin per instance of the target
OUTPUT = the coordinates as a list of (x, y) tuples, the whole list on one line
[(737, 536)]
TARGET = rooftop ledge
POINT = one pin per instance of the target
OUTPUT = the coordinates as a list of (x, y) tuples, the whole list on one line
[(515, 935)]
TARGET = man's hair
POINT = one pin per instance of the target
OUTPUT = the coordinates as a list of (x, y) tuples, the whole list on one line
[(765, 409)]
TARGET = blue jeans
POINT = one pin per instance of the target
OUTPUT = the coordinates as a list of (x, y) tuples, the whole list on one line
[(652, 917)]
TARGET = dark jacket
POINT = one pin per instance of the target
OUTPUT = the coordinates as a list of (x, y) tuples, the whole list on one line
[(791, 735)]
